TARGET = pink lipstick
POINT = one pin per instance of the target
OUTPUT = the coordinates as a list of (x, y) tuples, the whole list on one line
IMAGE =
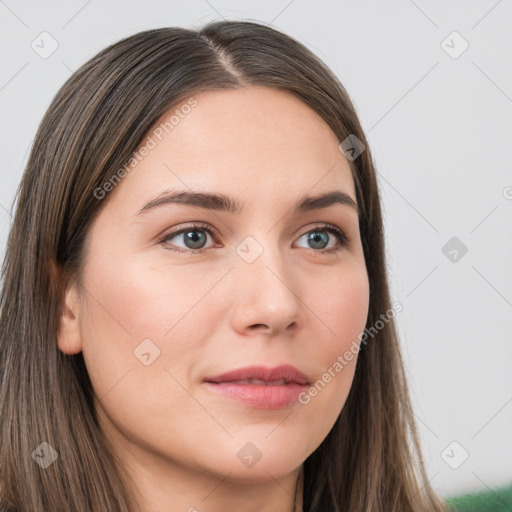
[(260, 387)]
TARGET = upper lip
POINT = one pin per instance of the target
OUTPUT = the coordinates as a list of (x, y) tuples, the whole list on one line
[(287, 372)]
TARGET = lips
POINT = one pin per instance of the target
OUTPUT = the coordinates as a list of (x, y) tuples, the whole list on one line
[(259, 382), (259, 387), (262, 376)]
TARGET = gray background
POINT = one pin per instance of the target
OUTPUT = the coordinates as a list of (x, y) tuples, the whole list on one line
[(440, 127)]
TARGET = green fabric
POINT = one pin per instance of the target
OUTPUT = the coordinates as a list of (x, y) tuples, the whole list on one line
[(495, 500)]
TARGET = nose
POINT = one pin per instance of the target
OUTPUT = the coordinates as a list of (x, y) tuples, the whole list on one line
[(264, 296)]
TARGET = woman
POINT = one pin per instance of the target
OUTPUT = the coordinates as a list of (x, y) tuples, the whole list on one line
[(251, 366)]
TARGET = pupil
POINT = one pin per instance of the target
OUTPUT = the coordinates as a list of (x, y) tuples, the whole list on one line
[(191, 236), (317, 237)]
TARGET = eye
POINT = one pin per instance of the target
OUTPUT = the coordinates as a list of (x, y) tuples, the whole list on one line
[(319, 239), (193, 236)]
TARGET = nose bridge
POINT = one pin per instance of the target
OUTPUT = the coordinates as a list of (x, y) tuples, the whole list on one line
[(267, 295), (262, 260)]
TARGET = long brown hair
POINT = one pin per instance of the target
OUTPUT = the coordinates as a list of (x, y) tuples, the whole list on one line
[(371, 459)]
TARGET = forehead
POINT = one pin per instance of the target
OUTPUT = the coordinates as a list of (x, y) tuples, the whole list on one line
[(239, 141)]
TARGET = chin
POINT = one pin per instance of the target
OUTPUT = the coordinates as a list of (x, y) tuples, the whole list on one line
[(260, 460), (262, 472)]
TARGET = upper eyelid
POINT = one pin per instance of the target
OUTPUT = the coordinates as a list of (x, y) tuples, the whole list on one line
[(193, 226)]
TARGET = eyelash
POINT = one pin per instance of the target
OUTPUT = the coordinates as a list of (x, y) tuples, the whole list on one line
[(330, 228)]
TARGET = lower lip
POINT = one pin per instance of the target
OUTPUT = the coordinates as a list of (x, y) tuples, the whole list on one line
[(259, 397)]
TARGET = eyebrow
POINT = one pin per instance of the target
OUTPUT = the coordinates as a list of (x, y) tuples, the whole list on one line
[(222, 202)]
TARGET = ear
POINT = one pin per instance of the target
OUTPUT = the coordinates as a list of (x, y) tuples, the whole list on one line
[(69, 338)]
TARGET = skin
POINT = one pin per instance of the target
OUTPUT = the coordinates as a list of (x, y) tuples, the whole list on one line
[(212, 312)]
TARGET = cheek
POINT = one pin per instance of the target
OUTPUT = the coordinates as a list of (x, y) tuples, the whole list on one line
[(342, 310), (342, 306), (134, 315), (137, 300), (132, 310)]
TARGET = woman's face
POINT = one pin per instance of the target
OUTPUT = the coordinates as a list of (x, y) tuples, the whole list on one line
[(266, 285)]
